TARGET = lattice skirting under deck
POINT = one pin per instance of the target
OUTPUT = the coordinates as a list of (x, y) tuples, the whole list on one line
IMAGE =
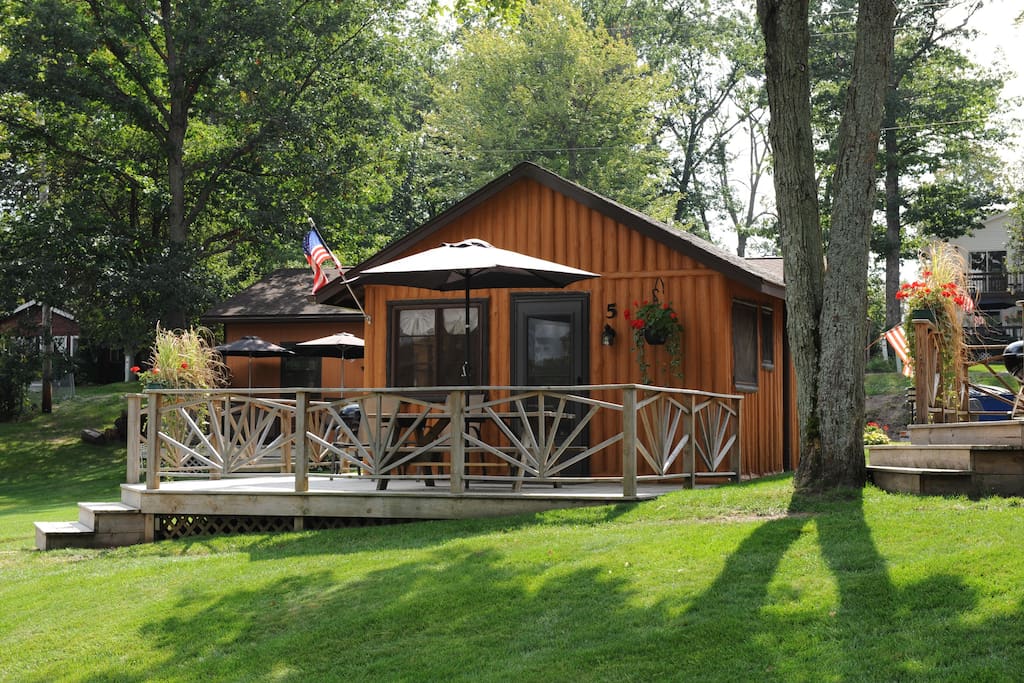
[(169, 527)]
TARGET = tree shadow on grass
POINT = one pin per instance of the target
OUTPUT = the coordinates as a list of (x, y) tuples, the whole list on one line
[(803, 597), (868, 629)]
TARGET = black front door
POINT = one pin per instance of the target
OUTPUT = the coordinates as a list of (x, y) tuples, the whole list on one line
[(549, 348)]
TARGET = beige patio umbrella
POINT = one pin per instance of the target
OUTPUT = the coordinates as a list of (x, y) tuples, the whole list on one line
[(343, 345), (469, 264)]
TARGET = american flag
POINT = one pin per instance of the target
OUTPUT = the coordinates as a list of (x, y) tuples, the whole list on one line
[(316, 253), (897, 340)]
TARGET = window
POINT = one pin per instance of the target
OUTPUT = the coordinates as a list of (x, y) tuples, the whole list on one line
[(428, 344), (988, 271), (300, 371), (744, 346), (767, 339)]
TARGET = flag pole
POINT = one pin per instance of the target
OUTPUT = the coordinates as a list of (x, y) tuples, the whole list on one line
[(341, 271)]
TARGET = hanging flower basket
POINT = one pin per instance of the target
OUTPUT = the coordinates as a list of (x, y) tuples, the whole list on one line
[(656, 323), (655, 338)]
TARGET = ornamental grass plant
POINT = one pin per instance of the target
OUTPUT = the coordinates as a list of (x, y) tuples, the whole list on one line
[(183, 359)]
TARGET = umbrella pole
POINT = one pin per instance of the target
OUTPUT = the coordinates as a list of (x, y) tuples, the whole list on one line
[(465, 337)]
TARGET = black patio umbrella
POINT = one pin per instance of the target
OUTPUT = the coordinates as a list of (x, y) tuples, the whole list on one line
[(253, 347), (471, 264), (342, 345)]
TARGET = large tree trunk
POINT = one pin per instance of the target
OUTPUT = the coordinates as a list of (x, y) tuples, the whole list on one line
[(177, 126), (893, 238), (844, 313), (826, 309), (786, 36)]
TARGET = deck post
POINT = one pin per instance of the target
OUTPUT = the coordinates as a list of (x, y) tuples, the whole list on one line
[(737, 448), (629, 442), (691, 451), (133, 429), (153, 442), (456, 407), (926, 365), (301, 446)]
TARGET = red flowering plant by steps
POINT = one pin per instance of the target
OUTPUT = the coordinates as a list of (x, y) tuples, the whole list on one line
[(655, 323), (876, 434)]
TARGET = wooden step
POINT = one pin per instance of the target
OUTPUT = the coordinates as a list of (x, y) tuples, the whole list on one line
[(927, 457), (922, 481), (99, 525), (54, 535), (991, 433), (113, 524)]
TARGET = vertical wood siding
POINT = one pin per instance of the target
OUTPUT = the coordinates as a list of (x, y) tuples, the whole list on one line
[(530, 217)]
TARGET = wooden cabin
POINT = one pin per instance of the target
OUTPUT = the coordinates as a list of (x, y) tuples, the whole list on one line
[(279, 309), (732, 310)]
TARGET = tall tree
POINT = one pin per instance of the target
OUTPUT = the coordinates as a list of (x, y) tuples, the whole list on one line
[(552, 90), (215, 126), (712, 55), (937, 129), (827, 306)]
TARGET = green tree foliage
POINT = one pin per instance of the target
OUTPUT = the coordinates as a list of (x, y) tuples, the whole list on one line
[(552, 90), (938, 134), (175, 144), (712, 55)]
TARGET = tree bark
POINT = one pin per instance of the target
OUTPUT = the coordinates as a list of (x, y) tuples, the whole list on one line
[(844, 313), (786, 35), (826, 308), (46, 325), (893, 238), (177, 127)]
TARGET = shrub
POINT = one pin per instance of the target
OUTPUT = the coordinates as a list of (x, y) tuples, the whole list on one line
[(20, 362), (875, 434)]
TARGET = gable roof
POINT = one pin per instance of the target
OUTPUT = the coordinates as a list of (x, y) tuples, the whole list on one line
[(734, 267), (28, 305), (281, 296)]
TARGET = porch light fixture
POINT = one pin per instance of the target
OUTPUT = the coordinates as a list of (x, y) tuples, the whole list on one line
[(608, 336)]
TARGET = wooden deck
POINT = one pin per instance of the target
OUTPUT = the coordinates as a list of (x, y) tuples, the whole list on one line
[(202, 507), (230, 461)]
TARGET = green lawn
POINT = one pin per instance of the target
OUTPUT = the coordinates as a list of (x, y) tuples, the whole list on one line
[(740, 583)]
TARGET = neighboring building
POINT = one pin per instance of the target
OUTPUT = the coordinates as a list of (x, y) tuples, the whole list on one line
[(279, 309), (732, 310), (27, 320), (987, 254)]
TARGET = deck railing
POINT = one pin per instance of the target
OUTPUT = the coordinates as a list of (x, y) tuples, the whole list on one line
[(517, 435)]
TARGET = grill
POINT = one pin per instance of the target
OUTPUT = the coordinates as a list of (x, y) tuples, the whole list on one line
[(1013, 358)]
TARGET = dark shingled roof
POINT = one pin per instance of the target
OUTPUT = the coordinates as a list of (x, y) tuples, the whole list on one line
[(283, 295), (771, 264)]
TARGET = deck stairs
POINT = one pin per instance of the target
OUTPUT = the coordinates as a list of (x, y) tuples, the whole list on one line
[(965, 458), (99, 525)]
